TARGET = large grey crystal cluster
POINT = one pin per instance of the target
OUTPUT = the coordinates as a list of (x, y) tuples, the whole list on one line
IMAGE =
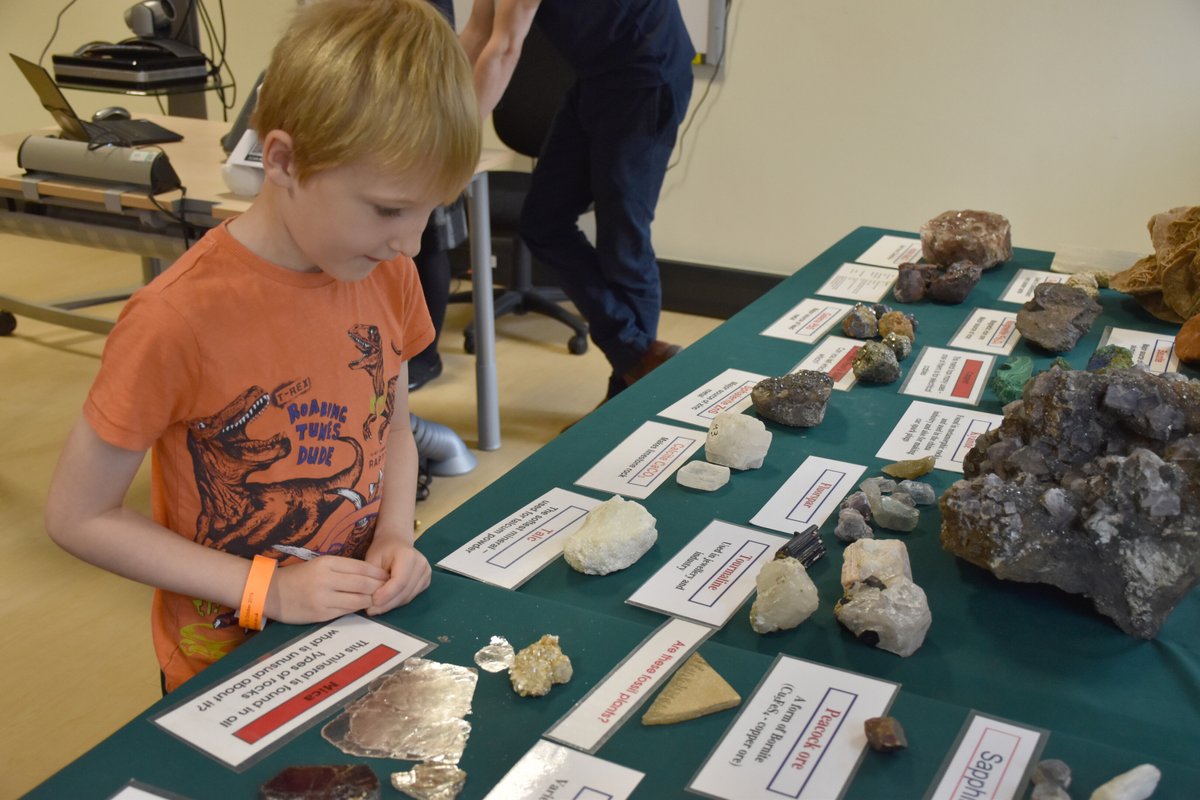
[(982, 237), (1090, 484), (1057, 316)]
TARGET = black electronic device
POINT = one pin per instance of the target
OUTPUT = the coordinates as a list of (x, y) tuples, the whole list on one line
[(136, 64), (112, 131)]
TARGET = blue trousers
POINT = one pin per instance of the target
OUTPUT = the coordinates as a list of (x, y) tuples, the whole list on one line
[(608, 148)]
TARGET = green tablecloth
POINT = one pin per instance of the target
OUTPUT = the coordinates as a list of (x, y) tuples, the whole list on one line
[(1028, 653)]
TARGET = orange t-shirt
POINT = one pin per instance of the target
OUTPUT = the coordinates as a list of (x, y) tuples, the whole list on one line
[(266, 395)]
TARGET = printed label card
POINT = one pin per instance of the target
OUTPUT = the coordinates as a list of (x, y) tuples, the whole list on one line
[(1154, 351), (807, 321), (550, 770), (515, 549), (810, 495), (988, 331), (136, 790), (712, 576), (729, 391), (892, 251), (275, 698), (859, 282), (612, 701), (644, 461), (835, 357), (1020, 288), (947, 433), (800, 735), (991, 760), (954, 375)]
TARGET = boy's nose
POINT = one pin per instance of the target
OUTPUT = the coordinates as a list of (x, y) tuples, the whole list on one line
[(406, 242)]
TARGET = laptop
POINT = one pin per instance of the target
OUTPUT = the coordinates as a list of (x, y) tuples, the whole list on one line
[(124, 132)]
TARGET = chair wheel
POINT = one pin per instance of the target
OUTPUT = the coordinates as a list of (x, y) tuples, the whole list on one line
[(578, 345), (469, 342), (8, 323)]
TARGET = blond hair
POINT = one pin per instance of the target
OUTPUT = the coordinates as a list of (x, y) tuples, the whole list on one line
[(379, 79)]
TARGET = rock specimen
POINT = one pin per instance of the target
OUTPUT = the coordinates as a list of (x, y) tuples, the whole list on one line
[(953, 284), (737, 441), (695, 690), (876, 363), (859, 502), (912, 282), (1110, 356), (981, 237), (891, 614), (1091, 484), (1167, 282), (1051, 779), (798, 399), (1086, 281), (538, 667), (614, 535), (805, 546), (430, 782), (322, 782), (896, 322), (913, 468), (1187, 342), (1136, 784), (414, 713), (889, 512), (860, 323), (880, 558), (852, 526), (921, 493), (885, 734), (901, 345), (702, 475), (1057, 316), (786, 596), (1010, 379)]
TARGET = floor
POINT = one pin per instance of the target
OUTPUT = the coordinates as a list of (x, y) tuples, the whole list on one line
[(78, 661)]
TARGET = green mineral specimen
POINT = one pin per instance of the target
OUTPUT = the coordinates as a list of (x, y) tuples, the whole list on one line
[(1111, 356), (1010, 379)]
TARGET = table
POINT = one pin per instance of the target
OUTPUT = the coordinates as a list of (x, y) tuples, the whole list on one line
[(1027, 653), (127, 219)]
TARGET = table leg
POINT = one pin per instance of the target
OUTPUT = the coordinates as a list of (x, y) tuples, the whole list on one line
[(486, 398)]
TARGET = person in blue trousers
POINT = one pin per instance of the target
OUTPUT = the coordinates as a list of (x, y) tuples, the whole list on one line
[(608, 148)]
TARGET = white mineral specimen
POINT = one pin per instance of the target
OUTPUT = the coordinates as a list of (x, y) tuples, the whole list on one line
[(883, 558), (737, 441), (702, 475), (1137, 784), (786, 596), (538, 667), (614, 535), (890, 614)]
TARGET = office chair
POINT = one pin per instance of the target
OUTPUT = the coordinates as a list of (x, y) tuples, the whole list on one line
[(522, 119)]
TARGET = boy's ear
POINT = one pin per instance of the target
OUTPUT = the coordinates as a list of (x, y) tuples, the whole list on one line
[(279, 159)]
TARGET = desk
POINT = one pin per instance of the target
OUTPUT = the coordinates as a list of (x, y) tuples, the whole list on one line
[(1027, 653), (129, 221)]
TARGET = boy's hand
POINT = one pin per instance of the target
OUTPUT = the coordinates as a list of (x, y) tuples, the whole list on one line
[(323, 589), (408, 569)]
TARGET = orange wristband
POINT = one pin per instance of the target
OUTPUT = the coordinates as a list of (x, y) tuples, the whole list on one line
[(254, 596)]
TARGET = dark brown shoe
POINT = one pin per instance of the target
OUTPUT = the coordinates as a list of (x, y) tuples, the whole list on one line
[(656, 355)]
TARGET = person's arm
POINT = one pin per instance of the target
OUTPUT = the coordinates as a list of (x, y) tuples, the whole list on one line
[(493, 37), (85, 515), (393, 548)]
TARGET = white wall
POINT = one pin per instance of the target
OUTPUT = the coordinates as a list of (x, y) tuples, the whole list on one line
[(1077, 119)]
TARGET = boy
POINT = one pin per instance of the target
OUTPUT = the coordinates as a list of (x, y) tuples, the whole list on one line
[(266, 368)]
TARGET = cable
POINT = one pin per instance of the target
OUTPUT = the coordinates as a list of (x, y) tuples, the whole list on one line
[(57, 22), (180, 217), (696, 111)]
